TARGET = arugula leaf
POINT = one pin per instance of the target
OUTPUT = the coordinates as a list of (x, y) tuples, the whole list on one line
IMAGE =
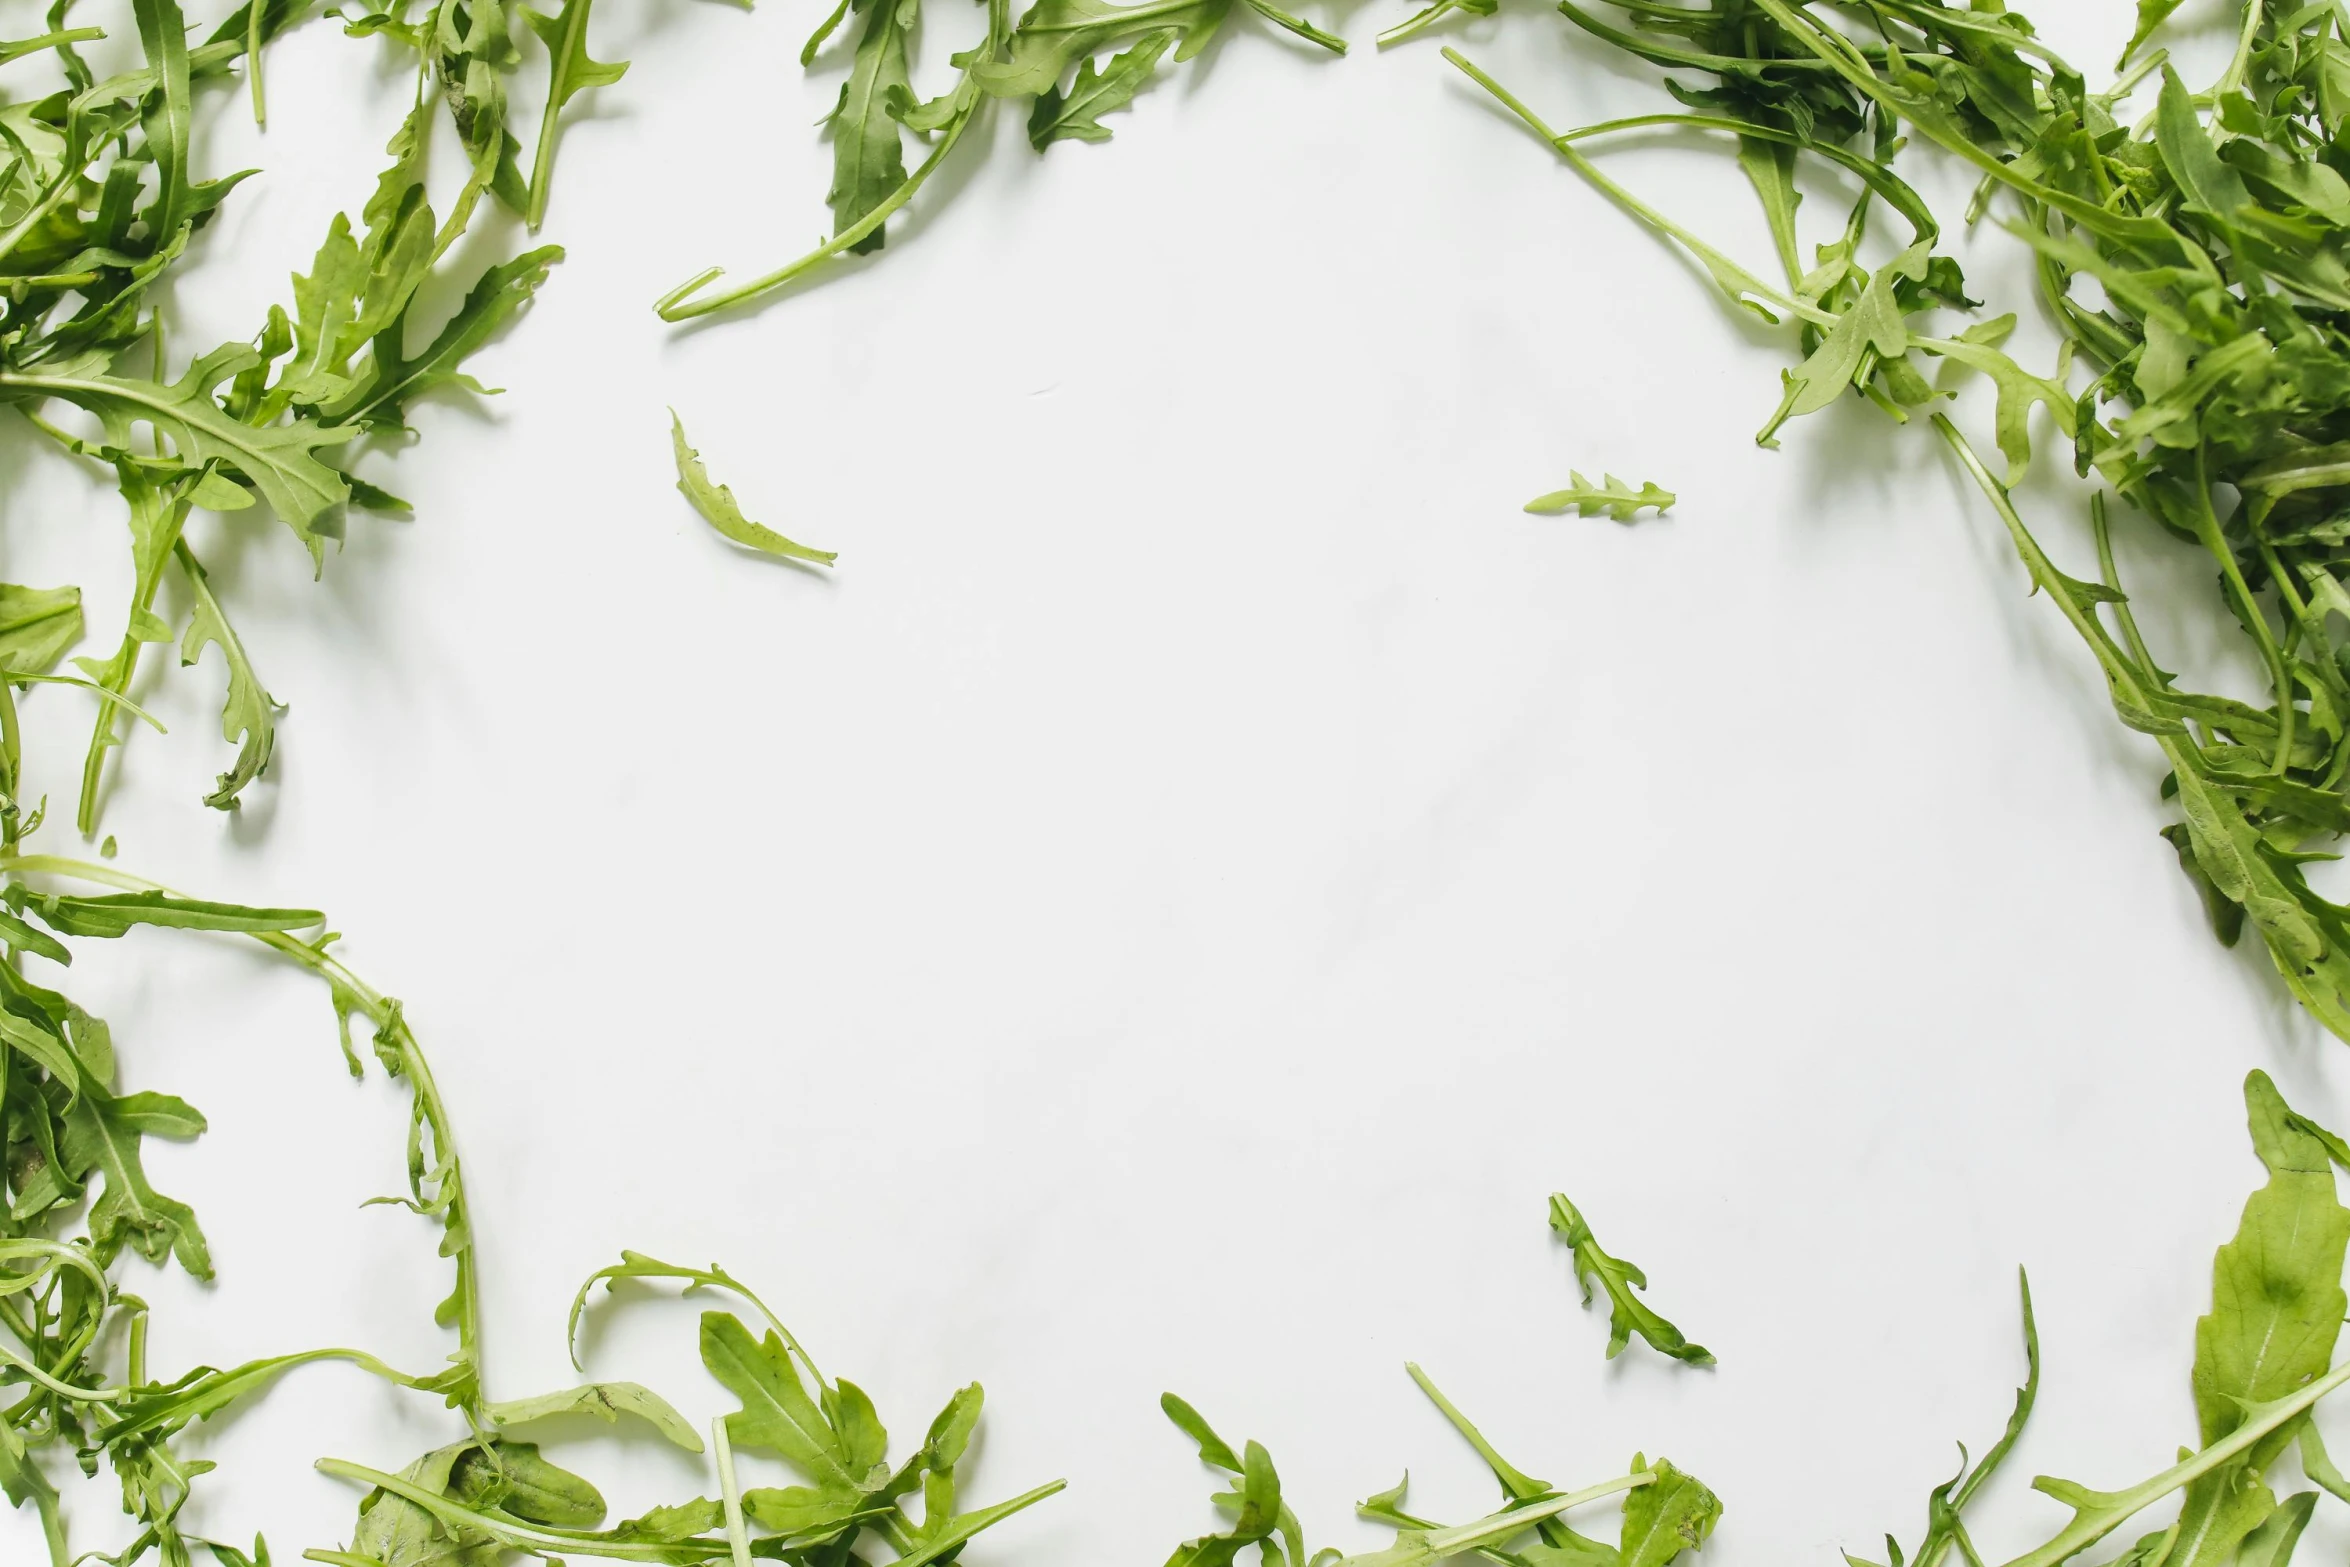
[(280, 461), (868, 157), (248, 718), (114, 914), (569, 72), (2277, 1309), (1613, 498), (1661, 1520), (1627, 1313), (37, 625), (1076, 114), (718, 507), (1259, 1516), (607, 1401), (101, 1139)]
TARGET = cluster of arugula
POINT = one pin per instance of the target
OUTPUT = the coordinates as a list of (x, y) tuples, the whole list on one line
[(2219, 408), (2197, 263), (98, 201), (1665, 1512), (1073, 61)]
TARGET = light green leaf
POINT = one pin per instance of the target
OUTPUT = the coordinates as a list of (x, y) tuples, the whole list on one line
[(1610, 498), (717, 505), (607, 1401), (37, 625), (248, 718), (1672, 1514), (1627, 1313), (1076, 114)]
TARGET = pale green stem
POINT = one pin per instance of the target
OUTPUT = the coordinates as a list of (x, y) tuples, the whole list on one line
[(2090, 1526), (253, 10), (730, 1494), (677, 305)]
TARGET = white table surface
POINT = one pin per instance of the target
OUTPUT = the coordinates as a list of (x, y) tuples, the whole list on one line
[(1166, 910)]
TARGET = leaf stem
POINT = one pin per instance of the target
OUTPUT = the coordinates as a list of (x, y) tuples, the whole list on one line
[(394, 1036), (730, 1494), (542, 163), (2089, 1526), (678, 305)]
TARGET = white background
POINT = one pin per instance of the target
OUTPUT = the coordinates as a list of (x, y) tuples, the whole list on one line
[(1166, 910)]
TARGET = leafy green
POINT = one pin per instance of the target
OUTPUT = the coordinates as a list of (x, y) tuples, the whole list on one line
[(570, 71), (1072, 60), (1612, 497), (717, 505), (1627, 1313), (607, 1401), (1259, 1516), (1075, 115), (2195, 264), (2277, 1309), (37, 625)]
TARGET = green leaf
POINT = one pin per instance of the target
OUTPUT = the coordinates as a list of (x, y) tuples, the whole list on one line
[(1259, 1514), (1672, 1514), (29, 938), (279, 460), (37, 625), (868, 151), (129, 1211), (2188, 153), (570, 72), (717, 505), (1076, 114), (496, 297), (248, 718), (2277, 1308), (958, 1531), (2151, 15), (113, 914), (606, 1401), (1873, 332), (2271, 1545), (512, 1478), (1213, 1449), (1053, 35), (1558, 1545), (1612, 498), (1628, 1314), (777, 1413)]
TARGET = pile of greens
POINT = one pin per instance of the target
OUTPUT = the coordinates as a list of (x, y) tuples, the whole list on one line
[(2194, 262)]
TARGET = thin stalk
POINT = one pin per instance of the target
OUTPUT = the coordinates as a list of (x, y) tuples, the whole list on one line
[(392, 1029), (678, 305), (2102, 531), (1413, 26), (730, 1494), (2207, 530), (2091, 1524), (1298, 25), (253, 10), (1500, 1526), (542, 163), (509, 1532), (1724, 270)]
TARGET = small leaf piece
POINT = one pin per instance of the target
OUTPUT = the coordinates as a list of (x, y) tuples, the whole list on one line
[(1076, 114), (717, 505), (1628, 1314), (1612, 498), (607, 1401), (37, 625), (1672, 1514)]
